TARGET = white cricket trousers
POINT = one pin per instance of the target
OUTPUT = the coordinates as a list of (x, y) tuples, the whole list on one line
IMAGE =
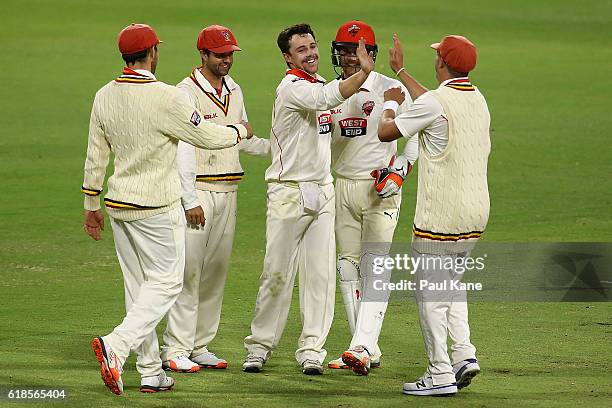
[(443, 314), (151, 253), (296, 241), (193, 321), (364, 217)]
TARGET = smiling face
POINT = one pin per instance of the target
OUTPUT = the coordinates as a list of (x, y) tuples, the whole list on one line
[(303, 53), (218, 65)]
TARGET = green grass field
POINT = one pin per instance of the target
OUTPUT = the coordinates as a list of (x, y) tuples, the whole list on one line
[(545, 70)]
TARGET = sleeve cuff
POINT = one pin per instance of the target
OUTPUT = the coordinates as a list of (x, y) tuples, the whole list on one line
[(92, 203), (190, 200), (337, 91), (240, 130)]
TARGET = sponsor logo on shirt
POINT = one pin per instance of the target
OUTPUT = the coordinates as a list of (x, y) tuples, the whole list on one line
[(353, 127), (336, 111), (368, 107), (325, 123), (195, 118), (211, 116)]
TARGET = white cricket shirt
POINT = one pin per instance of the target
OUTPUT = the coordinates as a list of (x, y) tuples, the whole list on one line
[(356, 149), (301, 130)]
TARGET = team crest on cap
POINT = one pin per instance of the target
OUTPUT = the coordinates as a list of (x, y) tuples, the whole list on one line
[(353, 30), (225, 35), (367, 107)]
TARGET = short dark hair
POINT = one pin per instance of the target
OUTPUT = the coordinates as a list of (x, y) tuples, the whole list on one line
[(137, 56), (455, 74), (287, 33)]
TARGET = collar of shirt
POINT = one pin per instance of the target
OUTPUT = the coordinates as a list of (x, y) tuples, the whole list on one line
[(448, 81), (145, 73), (227, 84), (300, 73)]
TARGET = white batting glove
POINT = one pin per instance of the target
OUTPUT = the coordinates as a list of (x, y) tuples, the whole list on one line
[(388, 180)]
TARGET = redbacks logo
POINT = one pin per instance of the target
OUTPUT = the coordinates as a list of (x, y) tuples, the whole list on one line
[(225, 35), (195, 118), (353, 30), (353, 127), (368, 107), (325, 123)]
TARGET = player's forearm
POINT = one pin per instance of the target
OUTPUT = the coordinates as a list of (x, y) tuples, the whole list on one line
[(352, 84), (255, 146), (411, 150), (415, 89), (387, 129), (187, 124), (98, 153), (186, 165)]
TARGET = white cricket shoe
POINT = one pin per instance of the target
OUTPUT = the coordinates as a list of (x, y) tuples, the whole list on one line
[(181, 364), (253, 364), (156, 383), (358, 358), (209, 360), (424, 386), (464, 372), (337, 364), (312, 367), (110, 366)]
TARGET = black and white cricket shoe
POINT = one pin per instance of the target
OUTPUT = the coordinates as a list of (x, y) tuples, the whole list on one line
[(464, 372), (424, 387)]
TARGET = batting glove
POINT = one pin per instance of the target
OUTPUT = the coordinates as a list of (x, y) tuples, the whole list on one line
[(388, 180)]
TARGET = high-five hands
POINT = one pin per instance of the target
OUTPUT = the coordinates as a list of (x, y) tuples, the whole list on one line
[(396, 55), (366, 59)]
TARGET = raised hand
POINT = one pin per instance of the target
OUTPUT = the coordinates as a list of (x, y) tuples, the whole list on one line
[(366, 60), (396, 55)]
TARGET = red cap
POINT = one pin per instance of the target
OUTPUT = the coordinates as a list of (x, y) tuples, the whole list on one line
[(135, 38), (457, 52), (217, 39), (352, 31)]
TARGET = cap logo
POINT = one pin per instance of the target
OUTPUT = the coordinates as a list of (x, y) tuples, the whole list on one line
[(353, 30), (225, 35)]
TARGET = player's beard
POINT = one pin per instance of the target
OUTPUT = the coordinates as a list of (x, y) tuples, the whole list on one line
[(220, 70)]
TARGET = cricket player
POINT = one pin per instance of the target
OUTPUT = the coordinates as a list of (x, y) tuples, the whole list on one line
[(452, 206), (300, 217), (362, 214), (140, 120), (210, 181)]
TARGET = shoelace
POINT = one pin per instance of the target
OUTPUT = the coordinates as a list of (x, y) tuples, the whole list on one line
[(254, 359), (311, 362)]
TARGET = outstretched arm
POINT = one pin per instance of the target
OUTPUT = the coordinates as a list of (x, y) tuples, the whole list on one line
[(396, 62)]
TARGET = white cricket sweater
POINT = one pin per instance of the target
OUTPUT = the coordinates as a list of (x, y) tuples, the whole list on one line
[(140, 120), (452, 207)]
